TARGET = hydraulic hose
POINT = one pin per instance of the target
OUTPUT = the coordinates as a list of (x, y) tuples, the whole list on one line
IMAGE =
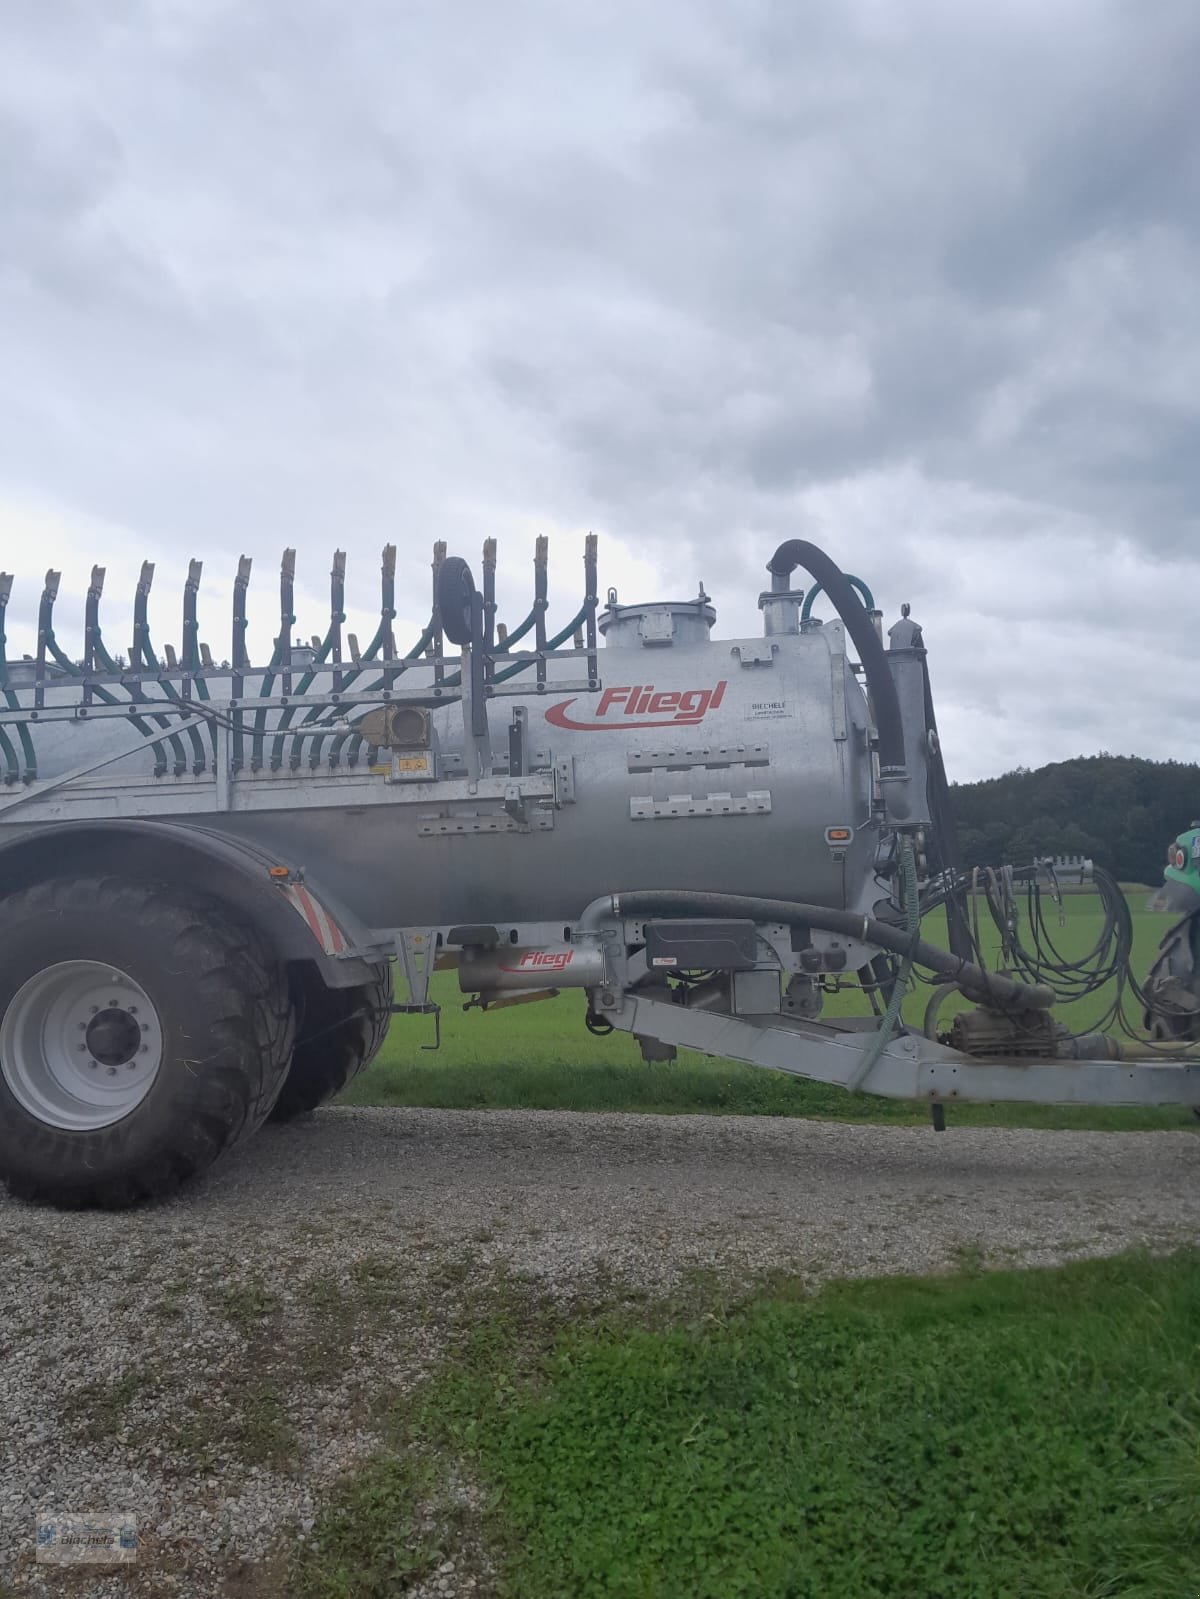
[(523, 666), (13, 770), (884, 699), (27, 750), (330, 716), (258, 737), (944, 842), (912, 927), (814, 595), (989, 988), (109, 665), (285, 719), (169, 689)]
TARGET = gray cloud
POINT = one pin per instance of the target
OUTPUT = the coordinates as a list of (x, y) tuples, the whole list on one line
[(917, 281)]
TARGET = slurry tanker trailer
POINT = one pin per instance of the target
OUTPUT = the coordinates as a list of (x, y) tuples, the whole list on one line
[(219, 882)]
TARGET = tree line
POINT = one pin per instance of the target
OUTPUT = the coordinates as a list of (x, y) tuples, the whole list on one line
[(1118, 809)]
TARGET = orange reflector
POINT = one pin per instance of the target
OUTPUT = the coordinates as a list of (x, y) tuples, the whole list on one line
[(277, 871), (837, 835)]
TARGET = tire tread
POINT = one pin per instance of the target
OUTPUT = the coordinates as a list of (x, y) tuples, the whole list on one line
[(242, 990), (342, 1031)]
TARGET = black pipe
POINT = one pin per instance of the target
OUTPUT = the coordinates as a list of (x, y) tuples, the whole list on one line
[(489, 599), (990, 988), (541, 559), (590, 601), (13, 770), (944, 843), (884, 699)]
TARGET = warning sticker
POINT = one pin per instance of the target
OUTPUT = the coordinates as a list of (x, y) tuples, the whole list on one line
[(767, 710)]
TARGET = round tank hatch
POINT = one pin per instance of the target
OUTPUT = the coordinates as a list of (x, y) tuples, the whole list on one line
[(659, 625)]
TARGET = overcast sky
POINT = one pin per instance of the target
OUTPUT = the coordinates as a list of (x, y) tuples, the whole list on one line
[(920, 281)]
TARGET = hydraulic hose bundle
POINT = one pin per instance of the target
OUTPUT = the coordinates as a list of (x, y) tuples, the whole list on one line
[(979, 984)]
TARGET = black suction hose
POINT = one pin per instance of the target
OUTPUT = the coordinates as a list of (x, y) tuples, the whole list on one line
[(974, 981), (944, 833), (884, 700)]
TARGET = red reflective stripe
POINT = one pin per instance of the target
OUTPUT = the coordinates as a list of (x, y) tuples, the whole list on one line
[(331, 938), (308, 910), (320, 924)]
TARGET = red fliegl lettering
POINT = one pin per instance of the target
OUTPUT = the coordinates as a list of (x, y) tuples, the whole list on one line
[(542, 960), (640, 705)]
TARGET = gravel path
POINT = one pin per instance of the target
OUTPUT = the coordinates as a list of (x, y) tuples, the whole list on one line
[(211, 1363)]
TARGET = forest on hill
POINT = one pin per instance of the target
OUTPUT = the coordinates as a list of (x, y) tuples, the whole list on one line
[(1119, 810)]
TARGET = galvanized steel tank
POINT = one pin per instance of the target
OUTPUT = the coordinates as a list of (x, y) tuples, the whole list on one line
[(714, 764), (699, 763)]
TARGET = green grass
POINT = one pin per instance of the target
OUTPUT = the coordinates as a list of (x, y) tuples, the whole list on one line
[(247, 1305), (966, 1437), (98, 1410), (540, 1056)]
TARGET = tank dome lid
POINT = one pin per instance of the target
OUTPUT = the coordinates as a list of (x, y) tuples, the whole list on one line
[(657, 625)]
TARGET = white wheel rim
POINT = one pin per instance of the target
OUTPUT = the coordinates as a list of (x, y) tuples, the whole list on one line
[(80, 1045)]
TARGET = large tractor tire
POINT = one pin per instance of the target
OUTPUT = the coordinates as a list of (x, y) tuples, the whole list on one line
[(1173, 985), (340, 1033), (142, 1033)]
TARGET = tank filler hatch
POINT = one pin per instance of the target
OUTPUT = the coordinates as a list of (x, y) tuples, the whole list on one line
[(659, 625)]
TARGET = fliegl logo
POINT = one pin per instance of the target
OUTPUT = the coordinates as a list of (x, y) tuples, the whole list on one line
[(542, 960), (642, 705)]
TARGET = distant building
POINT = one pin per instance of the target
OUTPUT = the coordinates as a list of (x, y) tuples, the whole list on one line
[(1069, 868)]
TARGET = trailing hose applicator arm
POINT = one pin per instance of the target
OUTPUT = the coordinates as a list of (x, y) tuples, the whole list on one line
[(884, 700)]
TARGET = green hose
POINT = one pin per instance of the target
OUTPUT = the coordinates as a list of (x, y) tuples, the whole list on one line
[(520, 632), (14, 704), (369, 655), (523, 666), (10, 757), (867, 597), (912, 926), (143, 727), (6, 746), (331, 715), (173, 694), (551, 644), (260, 717), (302, 687)]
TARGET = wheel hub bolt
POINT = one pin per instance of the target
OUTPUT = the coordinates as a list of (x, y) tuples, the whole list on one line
[(112, 1071)]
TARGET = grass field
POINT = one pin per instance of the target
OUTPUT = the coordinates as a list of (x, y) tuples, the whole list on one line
[(541, 1056), (962, 1437), (968, 1436)]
